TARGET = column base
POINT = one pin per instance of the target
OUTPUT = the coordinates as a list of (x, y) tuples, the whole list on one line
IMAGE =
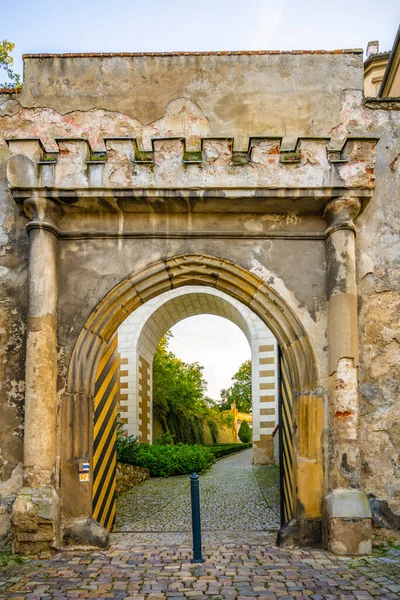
[(85, 533), (348, 522), (302, 533), (263, 451), (36, 521)]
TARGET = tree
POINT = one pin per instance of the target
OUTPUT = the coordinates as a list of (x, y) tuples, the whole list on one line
[(178, 395), (6, 62), (244, 432), (176, 384), (240, 392)]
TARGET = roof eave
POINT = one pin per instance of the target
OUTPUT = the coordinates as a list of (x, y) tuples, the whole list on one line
[(396, 47)]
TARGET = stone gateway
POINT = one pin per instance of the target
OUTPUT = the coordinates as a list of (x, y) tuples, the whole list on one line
[(260, 180)]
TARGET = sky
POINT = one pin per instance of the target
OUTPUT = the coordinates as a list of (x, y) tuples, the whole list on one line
[(195, 25), (165, 25), (216, 343)]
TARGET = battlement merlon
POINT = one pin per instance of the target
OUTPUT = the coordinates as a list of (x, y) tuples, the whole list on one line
[(313, 162)]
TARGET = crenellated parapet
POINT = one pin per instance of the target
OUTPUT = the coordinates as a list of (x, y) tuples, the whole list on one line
[(267, 163)]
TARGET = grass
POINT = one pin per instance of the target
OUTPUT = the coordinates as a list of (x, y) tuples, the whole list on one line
[(11, 565)]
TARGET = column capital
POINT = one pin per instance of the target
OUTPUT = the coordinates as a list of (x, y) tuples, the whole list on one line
[(43, 212), (340, 213)]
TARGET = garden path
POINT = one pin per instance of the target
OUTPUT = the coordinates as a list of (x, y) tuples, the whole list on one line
[(234, 495)]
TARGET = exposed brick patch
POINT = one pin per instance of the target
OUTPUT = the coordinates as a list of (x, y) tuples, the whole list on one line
[(10, 91)]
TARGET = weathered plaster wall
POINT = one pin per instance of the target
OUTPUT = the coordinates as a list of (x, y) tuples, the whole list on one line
[(13, 296), (278, 94), (378, 256), (197, 102)]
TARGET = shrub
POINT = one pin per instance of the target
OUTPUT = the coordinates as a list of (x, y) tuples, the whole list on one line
[(164, 461), (126, 447), (125, 444), (165, 439), (229, 419), (244, 432)]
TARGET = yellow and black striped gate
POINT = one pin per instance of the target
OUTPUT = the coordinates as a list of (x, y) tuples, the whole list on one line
[(104, 437), (286, 441)]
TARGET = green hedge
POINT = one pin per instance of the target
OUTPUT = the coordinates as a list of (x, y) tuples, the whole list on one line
[(220, 450), (164, 461)]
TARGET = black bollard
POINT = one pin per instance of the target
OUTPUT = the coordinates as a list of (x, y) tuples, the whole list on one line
[(196, 522)]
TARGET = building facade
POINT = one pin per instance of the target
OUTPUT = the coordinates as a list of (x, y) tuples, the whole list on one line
[(264, 176)]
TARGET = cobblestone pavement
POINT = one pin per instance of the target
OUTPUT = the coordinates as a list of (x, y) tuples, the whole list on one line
[(234, 496), (245, 567), (239, 565)]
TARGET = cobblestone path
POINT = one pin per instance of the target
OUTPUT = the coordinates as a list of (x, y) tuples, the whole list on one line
[(239, 564), (234, 496), (247, 567)]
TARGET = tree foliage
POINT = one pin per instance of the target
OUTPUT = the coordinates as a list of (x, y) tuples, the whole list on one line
[(240, 391), (6, 62), (179, 400), (244, 432), (176, 384)]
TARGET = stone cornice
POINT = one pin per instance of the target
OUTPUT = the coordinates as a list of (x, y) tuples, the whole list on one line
[(130, 201), (133, 149)]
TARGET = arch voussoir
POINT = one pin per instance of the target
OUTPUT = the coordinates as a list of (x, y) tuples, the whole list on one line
[(195, 269)]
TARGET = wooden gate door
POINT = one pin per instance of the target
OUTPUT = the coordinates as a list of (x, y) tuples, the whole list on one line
[(104, 437), (285, 441)]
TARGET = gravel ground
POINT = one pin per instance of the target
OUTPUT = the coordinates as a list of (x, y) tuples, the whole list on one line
[(233, 495)]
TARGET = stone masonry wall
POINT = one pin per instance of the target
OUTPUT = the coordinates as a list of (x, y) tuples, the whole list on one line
[(13, 310), (378, 278), (378, 260), (189, 110), (129, 476)]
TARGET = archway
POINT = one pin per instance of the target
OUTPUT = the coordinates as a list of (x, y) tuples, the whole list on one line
[(140, 333), (223, 275)]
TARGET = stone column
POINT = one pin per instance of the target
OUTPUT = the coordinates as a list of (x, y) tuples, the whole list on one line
[(36, 511), (347, 512)]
